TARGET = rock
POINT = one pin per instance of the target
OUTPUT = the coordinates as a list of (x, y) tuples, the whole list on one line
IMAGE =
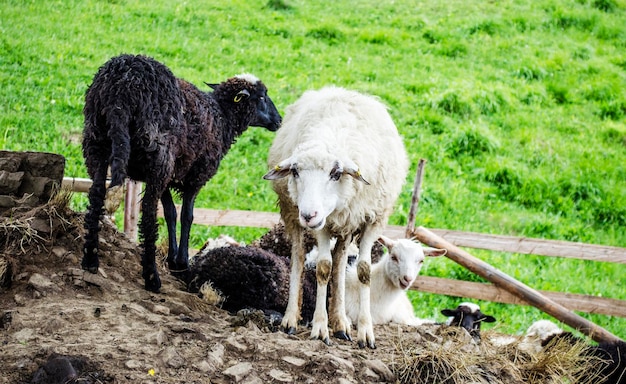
[(281, 376), (42, 283), (381, 369), (171, 358), (133, 364), (295, 361), (239, 371), (216, 356)]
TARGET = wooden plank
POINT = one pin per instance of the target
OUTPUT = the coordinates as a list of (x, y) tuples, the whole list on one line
[(553, 248), (501, 243), (517, 288), (490, 292)]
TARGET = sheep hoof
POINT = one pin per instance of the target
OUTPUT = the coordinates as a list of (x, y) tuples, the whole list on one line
[(290, 331), (342, 335), (90, 269), (361, 344), (326, 341), (153, 283)]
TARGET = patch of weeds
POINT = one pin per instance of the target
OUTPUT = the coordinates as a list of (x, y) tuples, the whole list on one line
[(472, 141), (451, 103), (278, 5), (375, 37), (488, 27), (490, 102), (584, 21), (605, 5), (613, 109), (329, 34), (559, 92), (530, 73), (452, 49), (432, 36), (613, 136), (432, 121)]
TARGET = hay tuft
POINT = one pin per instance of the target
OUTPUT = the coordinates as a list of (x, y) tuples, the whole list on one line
[(455, 358)]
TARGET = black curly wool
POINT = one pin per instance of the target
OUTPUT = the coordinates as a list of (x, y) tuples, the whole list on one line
[(247, 277), (150, 126)]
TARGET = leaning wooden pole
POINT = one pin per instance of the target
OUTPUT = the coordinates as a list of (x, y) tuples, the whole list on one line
[(517, 288), (415, 199)]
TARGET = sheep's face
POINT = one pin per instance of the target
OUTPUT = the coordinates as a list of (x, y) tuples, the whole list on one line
[(406, 258), (405, 262), (468, 316), (316, 191)]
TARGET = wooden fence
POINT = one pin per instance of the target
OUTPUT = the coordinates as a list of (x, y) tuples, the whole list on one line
[(437, 285)]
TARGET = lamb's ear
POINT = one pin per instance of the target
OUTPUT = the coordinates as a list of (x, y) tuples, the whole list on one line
[(486, 318), (281, 170), (449, 312), (241, 95), (212, 86), (434, 252), (387, 242), (353, 170)]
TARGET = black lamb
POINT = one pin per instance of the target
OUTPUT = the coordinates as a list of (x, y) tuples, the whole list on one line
[(150, 126)]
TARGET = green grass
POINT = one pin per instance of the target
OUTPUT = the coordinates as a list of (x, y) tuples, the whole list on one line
[(519, 108)]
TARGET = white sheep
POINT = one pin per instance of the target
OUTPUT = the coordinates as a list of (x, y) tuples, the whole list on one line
[(328, 135), (390, 278)]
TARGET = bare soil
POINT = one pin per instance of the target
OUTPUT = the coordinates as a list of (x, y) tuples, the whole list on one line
[(108, 329)]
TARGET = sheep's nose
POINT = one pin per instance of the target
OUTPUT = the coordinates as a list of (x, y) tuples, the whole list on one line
[(406, 280), (307, 216)]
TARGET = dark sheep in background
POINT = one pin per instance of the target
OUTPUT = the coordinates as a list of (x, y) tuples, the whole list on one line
[(247, 277), (468, 316), (607, 360), (150, 126)]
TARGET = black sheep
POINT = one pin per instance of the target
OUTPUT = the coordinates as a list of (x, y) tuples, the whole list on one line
[(247, 277), (150, 126)]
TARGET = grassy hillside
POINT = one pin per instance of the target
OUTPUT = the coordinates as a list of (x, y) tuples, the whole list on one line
[(519, 107)]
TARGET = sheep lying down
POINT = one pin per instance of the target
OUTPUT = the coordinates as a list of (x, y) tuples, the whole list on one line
[(250, 277)]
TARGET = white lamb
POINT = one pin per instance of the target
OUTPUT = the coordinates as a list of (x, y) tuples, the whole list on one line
[(326, 136), (391, 277)]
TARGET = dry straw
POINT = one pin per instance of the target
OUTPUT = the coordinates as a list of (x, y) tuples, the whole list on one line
[(452, 357)]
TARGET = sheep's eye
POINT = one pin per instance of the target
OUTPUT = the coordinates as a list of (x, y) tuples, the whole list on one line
[(294, 173), (335, 175), (394, 258)]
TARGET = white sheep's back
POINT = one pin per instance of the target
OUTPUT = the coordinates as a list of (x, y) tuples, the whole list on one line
[(334, 122)]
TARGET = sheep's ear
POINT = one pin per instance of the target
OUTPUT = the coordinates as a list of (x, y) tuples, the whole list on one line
[(212, 86), (281, 170), (243, 94), (449, 312), (434, 252), (487, 318), (387, 242)]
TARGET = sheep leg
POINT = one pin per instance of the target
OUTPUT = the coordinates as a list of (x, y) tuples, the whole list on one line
[(148, 230), (338, 320), (323, 269), (290, 321), (180, 265), (365, 329), (169, 211), (92, 218)]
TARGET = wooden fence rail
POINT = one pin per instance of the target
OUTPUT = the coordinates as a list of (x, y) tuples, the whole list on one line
[(452, 287)]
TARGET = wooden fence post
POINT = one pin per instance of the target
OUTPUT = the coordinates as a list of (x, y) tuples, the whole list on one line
[(131, 208)]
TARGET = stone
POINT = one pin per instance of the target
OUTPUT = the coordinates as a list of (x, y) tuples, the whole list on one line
[(239, 371), (281, 376), (381, 369)]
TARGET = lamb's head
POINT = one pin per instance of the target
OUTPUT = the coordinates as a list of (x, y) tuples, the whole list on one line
[(405, 260), (468, 316), (245, 96), (319, 183)]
